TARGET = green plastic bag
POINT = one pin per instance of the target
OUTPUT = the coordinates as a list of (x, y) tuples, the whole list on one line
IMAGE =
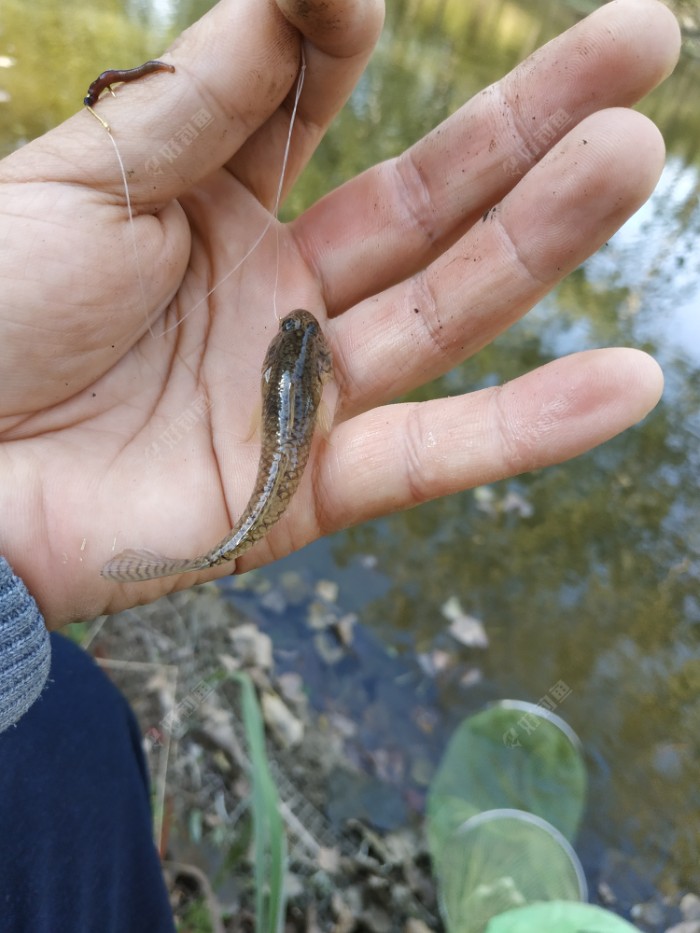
[(556, 917)]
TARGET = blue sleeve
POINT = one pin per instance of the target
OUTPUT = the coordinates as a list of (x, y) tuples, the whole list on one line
[(25, 648)]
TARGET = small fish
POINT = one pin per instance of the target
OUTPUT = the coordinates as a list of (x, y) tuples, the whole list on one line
[(297, 364)]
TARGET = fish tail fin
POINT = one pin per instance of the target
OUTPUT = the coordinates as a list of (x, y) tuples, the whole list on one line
[(134, 565)]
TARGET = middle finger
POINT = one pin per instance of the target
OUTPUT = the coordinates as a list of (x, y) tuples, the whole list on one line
[(567, 206)]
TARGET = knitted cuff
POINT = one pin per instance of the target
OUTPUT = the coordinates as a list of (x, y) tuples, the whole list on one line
[(25, 648)]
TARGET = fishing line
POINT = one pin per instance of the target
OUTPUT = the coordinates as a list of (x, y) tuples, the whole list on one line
[(132, 229), (285, 159), (272, 219), (273, 216)]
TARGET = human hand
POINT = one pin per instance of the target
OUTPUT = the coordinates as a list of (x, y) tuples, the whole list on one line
[(400, 264)]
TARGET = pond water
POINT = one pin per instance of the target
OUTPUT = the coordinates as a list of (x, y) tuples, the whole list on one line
[(586, 573)]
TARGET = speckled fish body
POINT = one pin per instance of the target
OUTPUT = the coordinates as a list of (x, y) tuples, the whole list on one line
[(297, 364)]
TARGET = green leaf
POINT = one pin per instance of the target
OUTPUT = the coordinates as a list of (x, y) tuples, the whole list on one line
[(270, 844)]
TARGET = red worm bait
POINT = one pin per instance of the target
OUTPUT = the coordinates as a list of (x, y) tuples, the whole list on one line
[(116, 76)]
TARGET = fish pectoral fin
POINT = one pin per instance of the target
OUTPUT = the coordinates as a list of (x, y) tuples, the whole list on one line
[(254, 424), (325, 416), (324, 420), (132, 565)]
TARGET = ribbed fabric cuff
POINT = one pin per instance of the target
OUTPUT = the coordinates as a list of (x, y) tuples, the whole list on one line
[(25, 648)]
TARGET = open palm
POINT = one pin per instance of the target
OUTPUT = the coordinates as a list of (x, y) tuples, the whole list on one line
[(128, 386)]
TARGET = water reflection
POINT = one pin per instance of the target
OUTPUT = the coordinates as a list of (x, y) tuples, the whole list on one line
[(596, 582)]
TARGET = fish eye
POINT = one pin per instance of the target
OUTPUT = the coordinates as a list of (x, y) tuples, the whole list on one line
[(290, 323)]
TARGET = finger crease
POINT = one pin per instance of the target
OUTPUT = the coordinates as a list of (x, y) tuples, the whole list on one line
[(421, 298), (519, 140), (516, 442), (413, 194), (417, 481)]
